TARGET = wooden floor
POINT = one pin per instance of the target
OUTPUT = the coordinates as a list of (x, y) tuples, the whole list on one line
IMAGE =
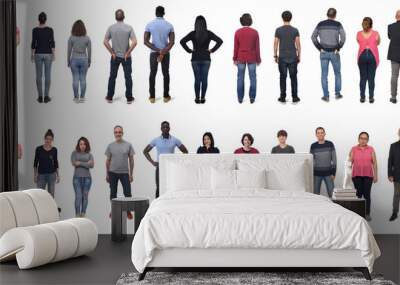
[(110, 260)]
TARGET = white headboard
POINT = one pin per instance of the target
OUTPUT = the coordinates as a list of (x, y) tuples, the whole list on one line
[(280, 163)]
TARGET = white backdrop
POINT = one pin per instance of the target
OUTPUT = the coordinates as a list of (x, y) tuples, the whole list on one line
[(221, 115)]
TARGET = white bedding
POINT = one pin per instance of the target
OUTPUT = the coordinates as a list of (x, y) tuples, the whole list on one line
[(251, 218)]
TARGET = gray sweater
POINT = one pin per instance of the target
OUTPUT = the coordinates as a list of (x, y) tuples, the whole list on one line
[(79, 47), (83, 169), (329, 36)]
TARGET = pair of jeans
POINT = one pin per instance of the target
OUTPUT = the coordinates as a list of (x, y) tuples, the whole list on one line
[(43, 61), (49, 180), (363, 185), (329, 184), (126, 184), (114, 66), (240, 80), (81, 187), (395, 78), (79, 67), (396, 197), (200, 70), (284, 66), (367, 66), (153, 73), (334, 58)]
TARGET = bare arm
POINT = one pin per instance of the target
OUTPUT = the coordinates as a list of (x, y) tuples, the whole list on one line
[(171, 43), (276, 45), (146, 153), (131, 47), (298, 48), (148, 43), (375, 164), (108, 163), (183, 148), (106, 43), (131, 165), (378, 39)]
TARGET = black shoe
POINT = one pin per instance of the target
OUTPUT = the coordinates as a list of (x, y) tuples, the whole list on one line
[(240, 101), (252, 101), (197, 100), (393, 217), (393, 100), (296, 99), (130, 100), (325, 98), (282, 100), (202, 100), (362, 100), (338, 96), (109, 99), (46, 99), (59, 209), (40, 99), (371, 100)]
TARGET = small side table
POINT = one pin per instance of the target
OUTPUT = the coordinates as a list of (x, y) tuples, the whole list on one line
[(119, 207), (357, 205)]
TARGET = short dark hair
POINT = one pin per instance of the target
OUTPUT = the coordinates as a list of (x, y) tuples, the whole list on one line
[(249, 136), (119, 15), (363, 133), (208, 134), (367, 23), (246, 20), (331, 13), (160, 11), (286, 16), (78, 29), (87, 144), (49, 133), (282, 133), (42, 18), (165, 122), (319, 128), (119, 126)]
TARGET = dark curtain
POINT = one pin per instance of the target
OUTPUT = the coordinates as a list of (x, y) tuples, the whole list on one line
[(8, 98)]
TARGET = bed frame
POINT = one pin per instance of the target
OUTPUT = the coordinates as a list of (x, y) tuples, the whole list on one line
[(245, 259)]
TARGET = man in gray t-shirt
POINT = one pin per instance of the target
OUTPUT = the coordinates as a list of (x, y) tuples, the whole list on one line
[(287, 41), (119, 165), (120, 34)]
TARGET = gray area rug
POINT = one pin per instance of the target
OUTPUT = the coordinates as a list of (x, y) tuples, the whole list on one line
[(244, 278)]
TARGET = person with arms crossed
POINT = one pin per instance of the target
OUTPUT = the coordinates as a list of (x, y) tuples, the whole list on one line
[(324, 156), (287, 42), (164, 144), (162, 37), (119, 165), (120, 34), (329, 37), (394, 175), (394, 55)]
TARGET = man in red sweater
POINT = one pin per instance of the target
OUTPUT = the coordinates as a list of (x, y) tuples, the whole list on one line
[(246, 52)]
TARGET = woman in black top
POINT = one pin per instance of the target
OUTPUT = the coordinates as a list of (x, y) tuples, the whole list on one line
[(208, 144), (201, 38), (43, 46), (46, 164)]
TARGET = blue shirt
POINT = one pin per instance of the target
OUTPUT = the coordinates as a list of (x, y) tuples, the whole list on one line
[(164, 145), (159, 30)]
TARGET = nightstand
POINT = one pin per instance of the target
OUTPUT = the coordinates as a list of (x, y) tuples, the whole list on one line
[(357, 205)]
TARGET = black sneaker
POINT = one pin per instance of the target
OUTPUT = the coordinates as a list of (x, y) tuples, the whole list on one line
[(282, 100), (197, 100), (109, 99), (40, 99), (252, 101), (362, 100), (393, 100), (371, 100), (130, 100), (296, 99), (325, 98), (240, 101), (202, 100), (338, 96), (46, 99), (393, 217)]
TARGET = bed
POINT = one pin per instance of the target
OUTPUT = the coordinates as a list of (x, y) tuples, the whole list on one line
[(247, 211)]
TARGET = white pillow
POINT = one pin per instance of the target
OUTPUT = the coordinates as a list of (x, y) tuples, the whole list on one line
[(292, 178), (181, 177), (251, 178), (223, 179)]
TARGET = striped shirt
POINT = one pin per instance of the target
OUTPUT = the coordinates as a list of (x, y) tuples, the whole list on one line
[(324, 158)]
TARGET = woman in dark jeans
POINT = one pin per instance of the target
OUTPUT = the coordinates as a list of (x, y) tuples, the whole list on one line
[(208, 144), (365, 169), (46, 164), (201, 38), (368, 58)]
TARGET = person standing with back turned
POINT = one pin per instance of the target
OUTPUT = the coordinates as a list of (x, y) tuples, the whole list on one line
[(329, 37), (162, 37), (394, 175), (394, 55), (120, 34)]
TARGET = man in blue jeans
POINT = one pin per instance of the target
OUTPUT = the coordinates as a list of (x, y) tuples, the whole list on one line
[(120, 35), (329, 37)]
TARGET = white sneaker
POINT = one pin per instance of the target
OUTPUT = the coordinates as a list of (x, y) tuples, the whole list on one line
[(82, 100), (368, 218), (76, 100)]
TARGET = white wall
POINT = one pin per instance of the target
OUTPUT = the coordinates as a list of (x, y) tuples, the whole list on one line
[(221, 114)]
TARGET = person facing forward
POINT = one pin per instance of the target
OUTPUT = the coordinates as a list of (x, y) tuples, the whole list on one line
[(282, 147), (247, 142), (119, 165), (208, 144), (394, 175), (120, 35), (287, 41), (162, 37), (164, 144), (246, 53), (365, 170), (329, 37), (201, 60)]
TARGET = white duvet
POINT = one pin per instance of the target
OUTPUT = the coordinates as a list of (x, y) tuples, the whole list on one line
[(250, 219)]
